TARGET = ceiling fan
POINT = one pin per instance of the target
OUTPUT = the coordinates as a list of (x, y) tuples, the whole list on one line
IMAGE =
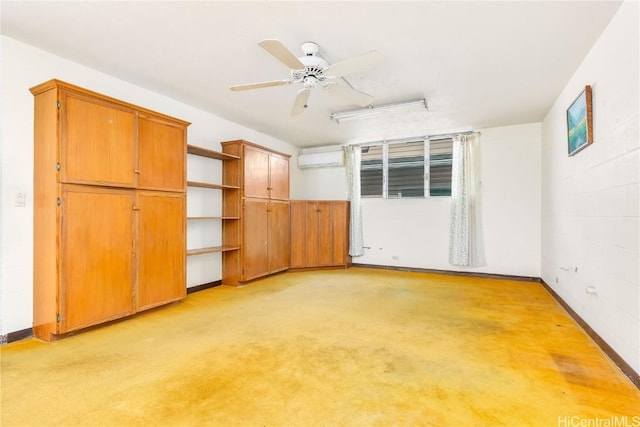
[(312, 70)]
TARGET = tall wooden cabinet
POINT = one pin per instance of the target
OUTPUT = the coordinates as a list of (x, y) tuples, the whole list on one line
[(319, 233), (109, 209), (262, 204)]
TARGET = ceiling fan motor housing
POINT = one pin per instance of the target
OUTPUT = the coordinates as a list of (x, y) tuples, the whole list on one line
[(315, 66)]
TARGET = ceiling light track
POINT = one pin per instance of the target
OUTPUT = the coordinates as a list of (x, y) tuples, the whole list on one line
[(360, 113)]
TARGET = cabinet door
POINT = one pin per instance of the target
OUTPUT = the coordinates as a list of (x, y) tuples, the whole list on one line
[(311, 239), (96, 247), (98, 142), (255, 259), (298, 233), (325, 235), (340, 232), (279, 177), (161, 155), (278, 238), (161, 248), (256, 172)]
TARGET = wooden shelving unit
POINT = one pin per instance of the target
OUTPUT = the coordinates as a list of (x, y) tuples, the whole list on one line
[(204, 152), (210, 185), (216, 155), (211, 249)]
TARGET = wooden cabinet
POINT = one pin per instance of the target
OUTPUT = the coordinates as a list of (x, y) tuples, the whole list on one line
[(265, 238), (160, 248), (319, 234), (278, 177), (161, 164), (262, 204), (109, 204), (96, 267), (98, 140), (278, 238), (255, 165), (255, 255), (265, 173)]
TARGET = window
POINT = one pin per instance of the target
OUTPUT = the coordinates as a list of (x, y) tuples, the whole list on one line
[(405, 175), (371, 171), (397, 170), (440, 159)]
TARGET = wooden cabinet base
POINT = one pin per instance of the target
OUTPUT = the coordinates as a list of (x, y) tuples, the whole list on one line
[(319, 234)]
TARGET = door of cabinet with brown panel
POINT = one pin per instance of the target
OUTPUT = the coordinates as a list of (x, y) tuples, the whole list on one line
[(97, 230), (263, 206), (108, 180), (265, 245), (319, 234), (161, 165), (161, 270)]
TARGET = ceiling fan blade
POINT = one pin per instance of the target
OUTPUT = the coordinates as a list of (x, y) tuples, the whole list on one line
[(350, 94), (284, 55), (356, 64), (259, 85), (301, 102)]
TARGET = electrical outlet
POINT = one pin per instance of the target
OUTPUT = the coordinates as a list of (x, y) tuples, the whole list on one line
[(557, 281)]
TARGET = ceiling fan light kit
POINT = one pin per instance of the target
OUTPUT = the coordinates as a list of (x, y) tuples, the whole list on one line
[(311, 70), (362, 113)]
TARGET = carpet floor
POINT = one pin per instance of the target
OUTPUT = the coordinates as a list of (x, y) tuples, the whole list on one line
[(355, 347)]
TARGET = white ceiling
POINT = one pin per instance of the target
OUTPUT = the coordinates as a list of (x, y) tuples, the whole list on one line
[(479, 64)]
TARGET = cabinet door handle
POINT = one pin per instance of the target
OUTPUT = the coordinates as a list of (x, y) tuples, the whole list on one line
[(136, 208), (137, 171)]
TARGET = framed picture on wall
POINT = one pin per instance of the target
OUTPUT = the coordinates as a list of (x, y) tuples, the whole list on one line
[(580, 122)]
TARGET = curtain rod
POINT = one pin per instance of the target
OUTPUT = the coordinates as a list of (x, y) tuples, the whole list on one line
[(415, 138)]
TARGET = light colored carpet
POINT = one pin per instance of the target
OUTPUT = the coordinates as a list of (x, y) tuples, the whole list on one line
[(354, 347)]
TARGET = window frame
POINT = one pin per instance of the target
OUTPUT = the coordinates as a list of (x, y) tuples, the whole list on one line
[(385, 168)]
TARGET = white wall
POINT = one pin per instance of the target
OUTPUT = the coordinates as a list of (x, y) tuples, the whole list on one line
[(416, 231), (590, 202), (324, 183), (24, 66)]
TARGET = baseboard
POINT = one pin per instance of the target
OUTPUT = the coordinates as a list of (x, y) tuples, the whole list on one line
[(16, 336), (626, 369), (204, 286), (454, 273)]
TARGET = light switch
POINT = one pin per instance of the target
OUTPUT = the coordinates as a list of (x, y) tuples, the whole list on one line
[(20, 198)]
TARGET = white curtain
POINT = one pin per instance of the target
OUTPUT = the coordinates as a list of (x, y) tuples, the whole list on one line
[(352, 159), (465, 230)]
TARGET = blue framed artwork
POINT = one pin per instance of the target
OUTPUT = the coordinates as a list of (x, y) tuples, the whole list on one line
[(580, 122)]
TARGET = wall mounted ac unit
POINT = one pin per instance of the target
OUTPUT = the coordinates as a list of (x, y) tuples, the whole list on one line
[(325, 159)]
